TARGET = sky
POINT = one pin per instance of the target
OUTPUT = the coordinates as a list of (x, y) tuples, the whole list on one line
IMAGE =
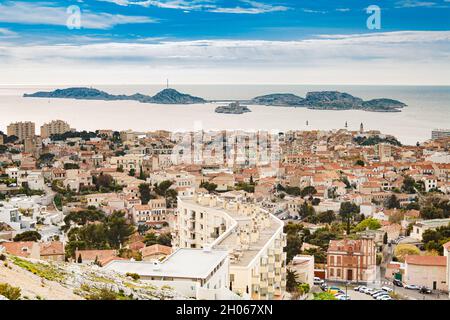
[(224, 42)]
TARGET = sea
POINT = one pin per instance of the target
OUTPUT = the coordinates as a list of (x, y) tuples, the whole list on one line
[(428, 108)]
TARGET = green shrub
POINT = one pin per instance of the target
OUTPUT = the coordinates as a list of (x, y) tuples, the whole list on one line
[(10, 292), (134, 276)]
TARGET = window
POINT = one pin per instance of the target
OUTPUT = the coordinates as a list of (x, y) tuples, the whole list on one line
[(332, 272), (338, 272)]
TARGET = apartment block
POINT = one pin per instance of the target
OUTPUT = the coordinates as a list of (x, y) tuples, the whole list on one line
[(253, 237), (54, 127), (22, 130)]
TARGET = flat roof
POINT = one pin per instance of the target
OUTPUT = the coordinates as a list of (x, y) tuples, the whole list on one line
[(183, 263)]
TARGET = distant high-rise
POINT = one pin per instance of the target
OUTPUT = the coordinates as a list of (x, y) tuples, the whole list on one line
[(22, 130), (54, 127), (440, 133)]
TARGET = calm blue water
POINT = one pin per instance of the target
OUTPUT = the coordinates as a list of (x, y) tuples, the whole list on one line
[(428, 108)]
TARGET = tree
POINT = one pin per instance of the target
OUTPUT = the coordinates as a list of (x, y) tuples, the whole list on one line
[(46, 158), (142, 175), (211, 187), (306, 210), (385, 238), (144, 190), (324, 296), (150, 239), (291, 280), (408, 185), (393, 202), (369, 223), (165, 239), (28, 236), (104, 181), (326, 216), (360, 163), (347, 213), (132, 172), (402, 250), (80, 260), (162, 188), (308, 191), (119, 230)]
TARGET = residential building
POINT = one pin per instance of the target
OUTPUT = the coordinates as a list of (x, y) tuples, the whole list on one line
[(54, 127), (155, 212), (253, 237), (195, 273), (351, 260), (421, 226), (440, 133), (429, 271), (303, 265), (22, 130)]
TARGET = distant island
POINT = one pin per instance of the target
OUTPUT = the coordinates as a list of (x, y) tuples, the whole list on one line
[(232, 108), (329, 100), (321, 100), (166, 96)]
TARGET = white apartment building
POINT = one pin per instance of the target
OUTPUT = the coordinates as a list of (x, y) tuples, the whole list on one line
[(253, 237), (194, 273)]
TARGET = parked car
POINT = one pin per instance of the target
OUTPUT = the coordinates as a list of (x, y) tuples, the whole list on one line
[(343, 297), (387, 289), (318, 281), (357, 288), (384, 298), (335, 290), (378, 292), (364, 289), (324, 286), (397, 283), (412, 287), (370, 291), (425, 290)]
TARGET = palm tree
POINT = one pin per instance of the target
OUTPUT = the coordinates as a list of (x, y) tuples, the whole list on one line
[(291, 280)]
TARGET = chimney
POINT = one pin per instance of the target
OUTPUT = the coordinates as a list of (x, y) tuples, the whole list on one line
[(156, 265)]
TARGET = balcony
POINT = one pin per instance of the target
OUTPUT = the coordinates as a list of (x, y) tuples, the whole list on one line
[(263, 269)]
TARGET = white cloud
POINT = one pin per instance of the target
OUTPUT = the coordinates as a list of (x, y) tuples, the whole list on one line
[(376, 58), (45, 13), (6, 33), (414, 4), (250, 7)]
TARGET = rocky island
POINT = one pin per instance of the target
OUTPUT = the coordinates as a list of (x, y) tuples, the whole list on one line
[(232, 108), (322, 100), (329, 100), (166, 96)]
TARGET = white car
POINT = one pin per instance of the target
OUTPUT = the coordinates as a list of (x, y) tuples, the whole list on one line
[(379, 293), (318, 281), (343, 297), (412, 287), (385, 298), (363, 289), (370, 291), (387, 289)]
